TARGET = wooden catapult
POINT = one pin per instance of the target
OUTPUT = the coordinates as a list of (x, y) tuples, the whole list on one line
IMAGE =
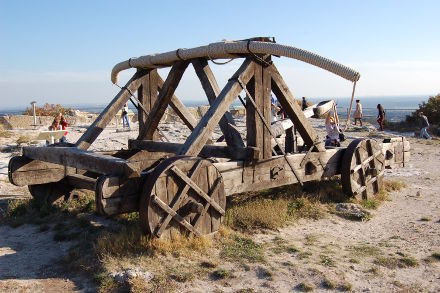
[(182, 188)]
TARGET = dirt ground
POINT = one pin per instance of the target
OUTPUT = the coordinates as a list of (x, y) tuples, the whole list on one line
[(355, 256)]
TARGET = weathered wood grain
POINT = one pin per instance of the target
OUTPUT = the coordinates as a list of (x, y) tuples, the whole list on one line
[(197, 139), (73, 157), (210, 86), (208, 151), (163, 100)]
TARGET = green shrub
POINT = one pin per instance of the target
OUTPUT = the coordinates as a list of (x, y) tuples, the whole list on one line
[(430, 109)]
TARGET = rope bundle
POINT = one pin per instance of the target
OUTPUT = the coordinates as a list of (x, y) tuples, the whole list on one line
[(230, 49)]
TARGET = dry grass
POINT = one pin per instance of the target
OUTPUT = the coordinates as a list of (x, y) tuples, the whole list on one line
[(131, 241), (241, 248), (382, 195), (23, 139), (392, 262), (273, 208), (393, 185), (4, 133)]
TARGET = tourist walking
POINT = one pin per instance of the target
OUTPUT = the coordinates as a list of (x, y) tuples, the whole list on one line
[(358, 113), (380, 116), (304, 103), (425, 126), (125, 116)]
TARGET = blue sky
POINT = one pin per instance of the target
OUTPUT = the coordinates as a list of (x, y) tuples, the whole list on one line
[(63, 51)]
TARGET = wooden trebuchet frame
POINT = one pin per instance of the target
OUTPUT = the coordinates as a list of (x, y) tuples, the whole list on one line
[(182, 187)]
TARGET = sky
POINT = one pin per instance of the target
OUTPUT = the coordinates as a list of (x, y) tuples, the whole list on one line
[(63, 51)]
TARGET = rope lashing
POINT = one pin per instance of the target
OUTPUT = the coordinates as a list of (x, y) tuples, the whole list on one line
[(234, 49), (256, 57), (178, 55)]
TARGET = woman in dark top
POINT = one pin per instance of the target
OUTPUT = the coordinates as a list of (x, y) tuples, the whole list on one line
[(380, 116)]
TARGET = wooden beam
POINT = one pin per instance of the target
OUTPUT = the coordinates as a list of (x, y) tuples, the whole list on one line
[(197, 139), (110, 111), (210, 86), (179, 108), (81, 181), (147, 95), (240, 176), (266, 106), (293, 111), (163, 100), (73, 157), (208, 151), (24, 171)]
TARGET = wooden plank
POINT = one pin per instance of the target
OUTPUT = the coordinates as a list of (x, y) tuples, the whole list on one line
[(179, 108), (254, 125), (110, 111), (204, 185), (73, 157), (293, 111), (163, 100), (147, 95), (81, 181), (197, 139), (197, 189), (208, 151), (172, 226), (175, 198), (266, 107), (212, 90)]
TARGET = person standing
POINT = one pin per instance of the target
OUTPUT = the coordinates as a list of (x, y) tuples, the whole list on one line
[(425, 126), (304, 103), (380, 116), (332, 128), (125, 116), (63, 123), (358, 113)]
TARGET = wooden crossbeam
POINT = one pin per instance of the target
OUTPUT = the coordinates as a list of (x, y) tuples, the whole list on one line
[(179, 108), (293, 111), (212, 90), (206, 207), (197, 139), (163, 100), (180, 196), (110, 111), (175, 215), (245, 153), (197, 189), (80, 159), (366, 161)]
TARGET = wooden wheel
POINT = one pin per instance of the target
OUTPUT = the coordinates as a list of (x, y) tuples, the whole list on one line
[(50, 192), (183, 195), (362, 168)]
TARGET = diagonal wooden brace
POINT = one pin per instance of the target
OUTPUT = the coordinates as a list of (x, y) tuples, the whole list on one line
[(175, 215), (197, 189), (178, 199), (206, 207)]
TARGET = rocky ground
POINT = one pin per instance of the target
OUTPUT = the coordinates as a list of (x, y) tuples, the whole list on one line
[(394, 251)]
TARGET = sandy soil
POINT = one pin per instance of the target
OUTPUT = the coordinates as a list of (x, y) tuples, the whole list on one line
[(29, 259)]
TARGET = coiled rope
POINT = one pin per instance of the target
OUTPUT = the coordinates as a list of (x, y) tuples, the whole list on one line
[(230, 50)]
